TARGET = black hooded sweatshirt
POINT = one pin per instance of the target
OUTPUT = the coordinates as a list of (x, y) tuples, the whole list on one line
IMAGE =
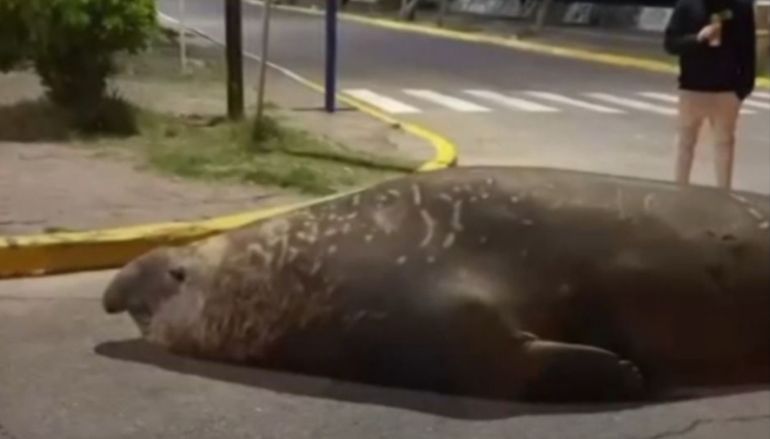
[(729, 67)]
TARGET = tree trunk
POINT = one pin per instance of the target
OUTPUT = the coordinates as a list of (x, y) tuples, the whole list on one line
[(409, 10)]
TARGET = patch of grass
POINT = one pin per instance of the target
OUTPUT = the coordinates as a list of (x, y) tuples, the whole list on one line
[(213, 149)]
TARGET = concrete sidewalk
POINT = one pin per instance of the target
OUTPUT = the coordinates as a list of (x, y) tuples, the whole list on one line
[(69, 371)]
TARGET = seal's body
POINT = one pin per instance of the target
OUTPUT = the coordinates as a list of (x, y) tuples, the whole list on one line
[(491, 281)]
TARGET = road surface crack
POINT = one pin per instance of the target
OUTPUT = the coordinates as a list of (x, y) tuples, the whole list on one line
[(698, 423)]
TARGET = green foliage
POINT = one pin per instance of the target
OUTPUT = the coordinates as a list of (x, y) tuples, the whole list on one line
[(14, 33), (72, 44)]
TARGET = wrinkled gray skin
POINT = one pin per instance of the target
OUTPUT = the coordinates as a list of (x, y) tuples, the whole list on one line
[(499, 282)]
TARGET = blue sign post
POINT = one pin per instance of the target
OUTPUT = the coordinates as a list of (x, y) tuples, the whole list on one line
[(331, 54)]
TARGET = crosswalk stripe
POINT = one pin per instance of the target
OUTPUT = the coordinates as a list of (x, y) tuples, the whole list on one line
[(675, 100), (756, 104), (660, 96), (511, 102), (631, 103), (447, 101), (384, 103), (574, 102), (761, 95)]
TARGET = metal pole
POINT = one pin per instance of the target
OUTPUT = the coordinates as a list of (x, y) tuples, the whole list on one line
[(442, 13), (263, 59), (331, 53), (183, 35), (234, 59)]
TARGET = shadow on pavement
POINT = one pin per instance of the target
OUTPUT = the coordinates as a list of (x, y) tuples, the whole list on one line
[(138, 351)]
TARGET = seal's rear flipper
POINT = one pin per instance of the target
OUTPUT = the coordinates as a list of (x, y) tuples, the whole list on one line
[(562, 372)]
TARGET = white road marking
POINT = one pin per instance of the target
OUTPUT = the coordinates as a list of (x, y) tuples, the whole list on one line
[(666, 97), (761, 95), (384, 103), (447, 101), (631, 103), (660, 96), (511, 102), (756, 104), (574, 102)]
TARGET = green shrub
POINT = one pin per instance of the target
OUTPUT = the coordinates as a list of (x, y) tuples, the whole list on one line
[(72, 44), (14, 33)]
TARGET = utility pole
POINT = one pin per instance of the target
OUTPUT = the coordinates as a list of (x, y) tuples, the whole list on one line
[(263, 59), (441, 13), (234, 51), (183, 35), (331, 54)]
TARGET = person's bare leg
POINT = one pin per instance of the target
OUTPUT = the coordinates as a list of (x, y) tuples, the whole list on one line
[(724, 123), (688, 127)]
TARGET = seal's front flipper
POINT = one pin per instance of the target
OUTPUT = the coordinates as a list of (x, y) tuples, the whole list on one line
[(572, 372)]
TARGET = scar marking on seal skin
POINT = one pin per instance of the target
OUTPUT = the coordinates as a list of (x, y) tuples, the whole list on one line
[(739, 198), (514, 199), (764, 225), (648, 199), (490, 181), (483, 240), (368, 238), (431, 259), (416, 194), (473, 199), (330, 232), (484, 196), (257, 249), (352, 215), (316, 267), (356, 200), (456, 216), (401, 260), (394, 192), (346, 228), (456, 189), (527, 222), (430, 226), (449, 240), (292, 254), (332, 249), (619, 203), (445, 197), (756, 214), (284, 245)]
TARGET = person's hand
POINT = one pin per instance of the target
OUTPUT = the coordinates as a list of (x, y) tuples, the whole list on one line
[(710, 32)]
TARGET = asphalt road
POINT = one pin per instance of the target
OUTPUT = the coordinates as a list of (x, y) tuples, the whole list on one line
[(69, 371), (489, 99)]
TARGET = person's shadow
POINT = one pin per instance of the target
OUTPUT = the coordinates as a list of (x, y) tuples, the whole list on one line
[(137, 350)]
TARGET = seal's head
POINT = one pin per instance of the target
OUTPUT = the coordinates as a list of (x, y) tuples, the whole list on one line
[(166, 281)]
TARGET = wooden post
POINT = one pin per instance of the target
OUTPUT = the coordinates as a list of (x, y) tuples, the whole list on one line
[(263, 59), (234, 54)]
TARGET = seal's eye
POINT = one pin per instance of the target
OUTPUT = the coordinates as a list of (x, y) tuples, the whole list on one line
[(178, 274)]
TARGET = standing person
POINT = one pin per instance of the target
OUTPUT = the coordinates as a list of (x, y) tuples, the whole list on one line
[(715, 41)]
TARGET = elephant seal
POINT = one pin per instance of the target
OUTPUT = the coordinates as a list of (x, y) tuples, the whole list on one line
[(499, 282)]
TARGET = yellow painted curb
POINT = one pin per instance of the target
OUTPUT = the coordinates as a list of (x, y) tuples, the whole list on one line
[(109, 248), (549, 49)]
